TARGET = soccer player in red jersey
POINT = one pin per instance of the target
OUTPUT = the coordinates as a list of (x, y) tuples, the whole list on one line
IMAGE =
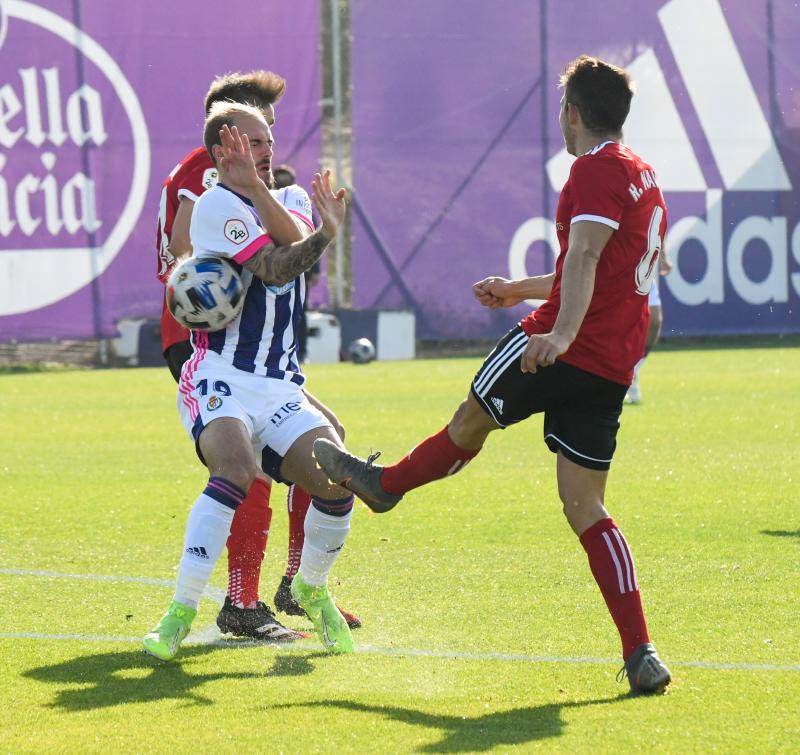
[(572, 358), (243, 614)]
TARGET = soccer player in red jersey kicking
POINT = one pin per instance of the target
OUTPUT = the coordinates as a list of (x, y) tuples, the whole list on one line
[(243, 613), (571, 359)]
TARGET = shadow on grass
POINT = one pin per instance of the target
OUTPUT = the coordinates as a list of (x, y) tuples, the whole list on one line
[(109, 679), (295, 665), (782, 533), (465, 734)]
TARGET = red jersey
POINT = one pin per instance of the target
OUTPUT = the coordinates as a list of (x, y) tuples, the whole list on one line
[(611, 185), (189, 178)]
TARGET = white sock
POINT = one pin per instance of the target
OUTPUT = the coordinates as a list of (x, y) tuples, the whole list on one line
[(206, 533), (325, 536)]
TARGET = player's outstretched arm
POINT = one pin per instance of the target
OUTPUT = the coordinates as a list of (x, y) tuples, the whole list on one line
[(495, 292), (279, 265)]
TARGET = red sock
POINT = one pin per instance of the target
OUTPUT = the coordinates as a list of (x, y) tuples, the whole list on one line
[(612, 566), (247, 543), (434, 458), (297, 503)]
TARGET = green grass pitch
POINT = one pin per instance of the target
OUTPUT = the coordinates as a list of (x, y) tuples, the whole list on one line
[(483, 629)]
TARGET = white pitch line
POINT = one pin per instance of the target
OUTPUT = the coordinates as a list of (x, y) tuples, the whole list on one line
[(210, 636), (201, 636), (212, 593), (204, 638), (89, 577)]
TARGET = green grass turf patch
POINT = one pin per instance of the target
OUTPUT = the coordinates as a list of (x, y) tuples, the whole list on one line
[(461, 588)]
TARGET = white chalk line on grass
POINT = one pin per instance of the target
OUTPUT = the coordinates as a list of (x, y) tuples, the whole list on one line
[(210, 636)]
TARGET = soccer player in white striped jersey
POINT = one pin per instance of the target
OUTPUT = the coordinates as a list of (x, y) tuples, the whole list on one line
[(240, 395)]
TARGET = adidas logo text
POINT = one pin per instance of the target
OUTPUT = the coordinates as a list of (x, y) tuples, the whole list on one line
[(741, 162)]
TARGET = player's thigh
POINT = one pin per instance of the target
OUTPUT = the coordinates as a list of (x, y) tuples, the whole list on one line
[(300, 467), (327, 411), (505, 393), (207, 395), (286, 428), (583, 426), (471, 424), (225, 445)]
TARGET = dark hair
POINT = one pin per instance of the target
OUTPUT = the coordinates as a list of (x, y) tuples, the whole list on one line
[(222, 114), (257, 88), (602, 93), (284, 176)]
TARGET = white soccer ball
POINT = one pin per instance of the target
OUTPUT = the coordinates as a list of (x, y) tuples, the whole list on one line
[(205, 293), (361, 351)]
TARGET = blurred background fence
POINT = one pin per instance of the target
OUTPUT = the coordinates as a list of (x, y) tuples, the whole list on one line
[(441, 116)]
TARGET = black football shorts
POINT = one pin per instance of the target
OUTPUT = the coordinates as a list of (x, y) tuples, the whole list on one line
[(581, 410)]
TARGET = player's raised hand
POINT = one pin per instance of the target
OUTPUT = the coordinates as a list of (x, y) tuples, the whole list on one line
[(495, 292), (331, 206), (236, 166)]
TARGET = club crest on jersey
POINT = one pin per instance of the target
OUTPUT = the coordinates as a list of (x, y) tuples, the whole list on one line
[(214, 403), (236, 231), (210, 178)]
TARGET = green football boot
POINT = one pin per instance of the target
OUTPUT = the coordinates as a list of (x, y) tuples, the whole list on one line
[(163, 642), (329, 624)]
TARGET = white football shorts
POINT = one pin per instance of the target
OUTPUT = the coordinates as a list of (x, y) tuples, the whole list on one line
[(654, 297), (275, 412)]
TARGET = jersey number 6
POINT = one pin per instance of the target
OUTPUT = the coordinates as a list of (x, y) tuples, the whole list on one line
[(647, 268)]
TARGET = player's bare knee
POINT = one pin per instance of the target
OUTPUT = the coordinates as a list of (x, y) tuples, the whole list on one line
[(470, 425), (237, 471)]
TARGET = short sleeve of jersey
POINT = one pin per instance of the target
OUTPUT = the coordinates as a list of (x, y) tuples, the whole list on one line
[(224, 226), (598, 190), (295, 199), (196, 177)]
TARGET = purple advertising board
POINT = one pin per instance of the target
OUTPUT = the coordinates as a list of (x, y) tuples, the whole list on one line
[(98, 102), (458, 158), (457, 155)]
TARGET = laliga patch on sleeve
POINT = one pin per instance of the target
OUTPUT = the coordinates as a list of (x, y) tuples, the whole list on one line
[(236, 231), (210, 177)]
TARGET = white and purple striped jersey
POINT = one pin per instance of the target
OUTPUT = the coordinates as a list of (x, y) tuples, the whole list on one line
[(262, 340)]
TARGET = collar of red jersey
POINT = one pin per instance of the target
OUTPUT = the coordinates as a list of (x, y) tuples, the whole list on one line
[(597, 147)]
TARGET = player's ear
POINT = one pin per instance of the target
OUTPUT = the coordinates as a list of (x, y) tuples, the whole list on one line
[(216, 152)]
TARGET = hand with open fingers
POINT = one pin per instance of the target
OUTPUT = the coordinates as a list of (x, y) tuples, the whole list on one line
[(495, 292), (236, 166), (331, 206), (542, 350)]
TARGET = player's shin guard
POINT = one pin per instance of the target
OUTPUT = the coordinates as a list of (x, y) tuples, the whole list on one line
[(611, 563), (297, 502), (326, 527), (434, 458), (206, 531), (247, 543)]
